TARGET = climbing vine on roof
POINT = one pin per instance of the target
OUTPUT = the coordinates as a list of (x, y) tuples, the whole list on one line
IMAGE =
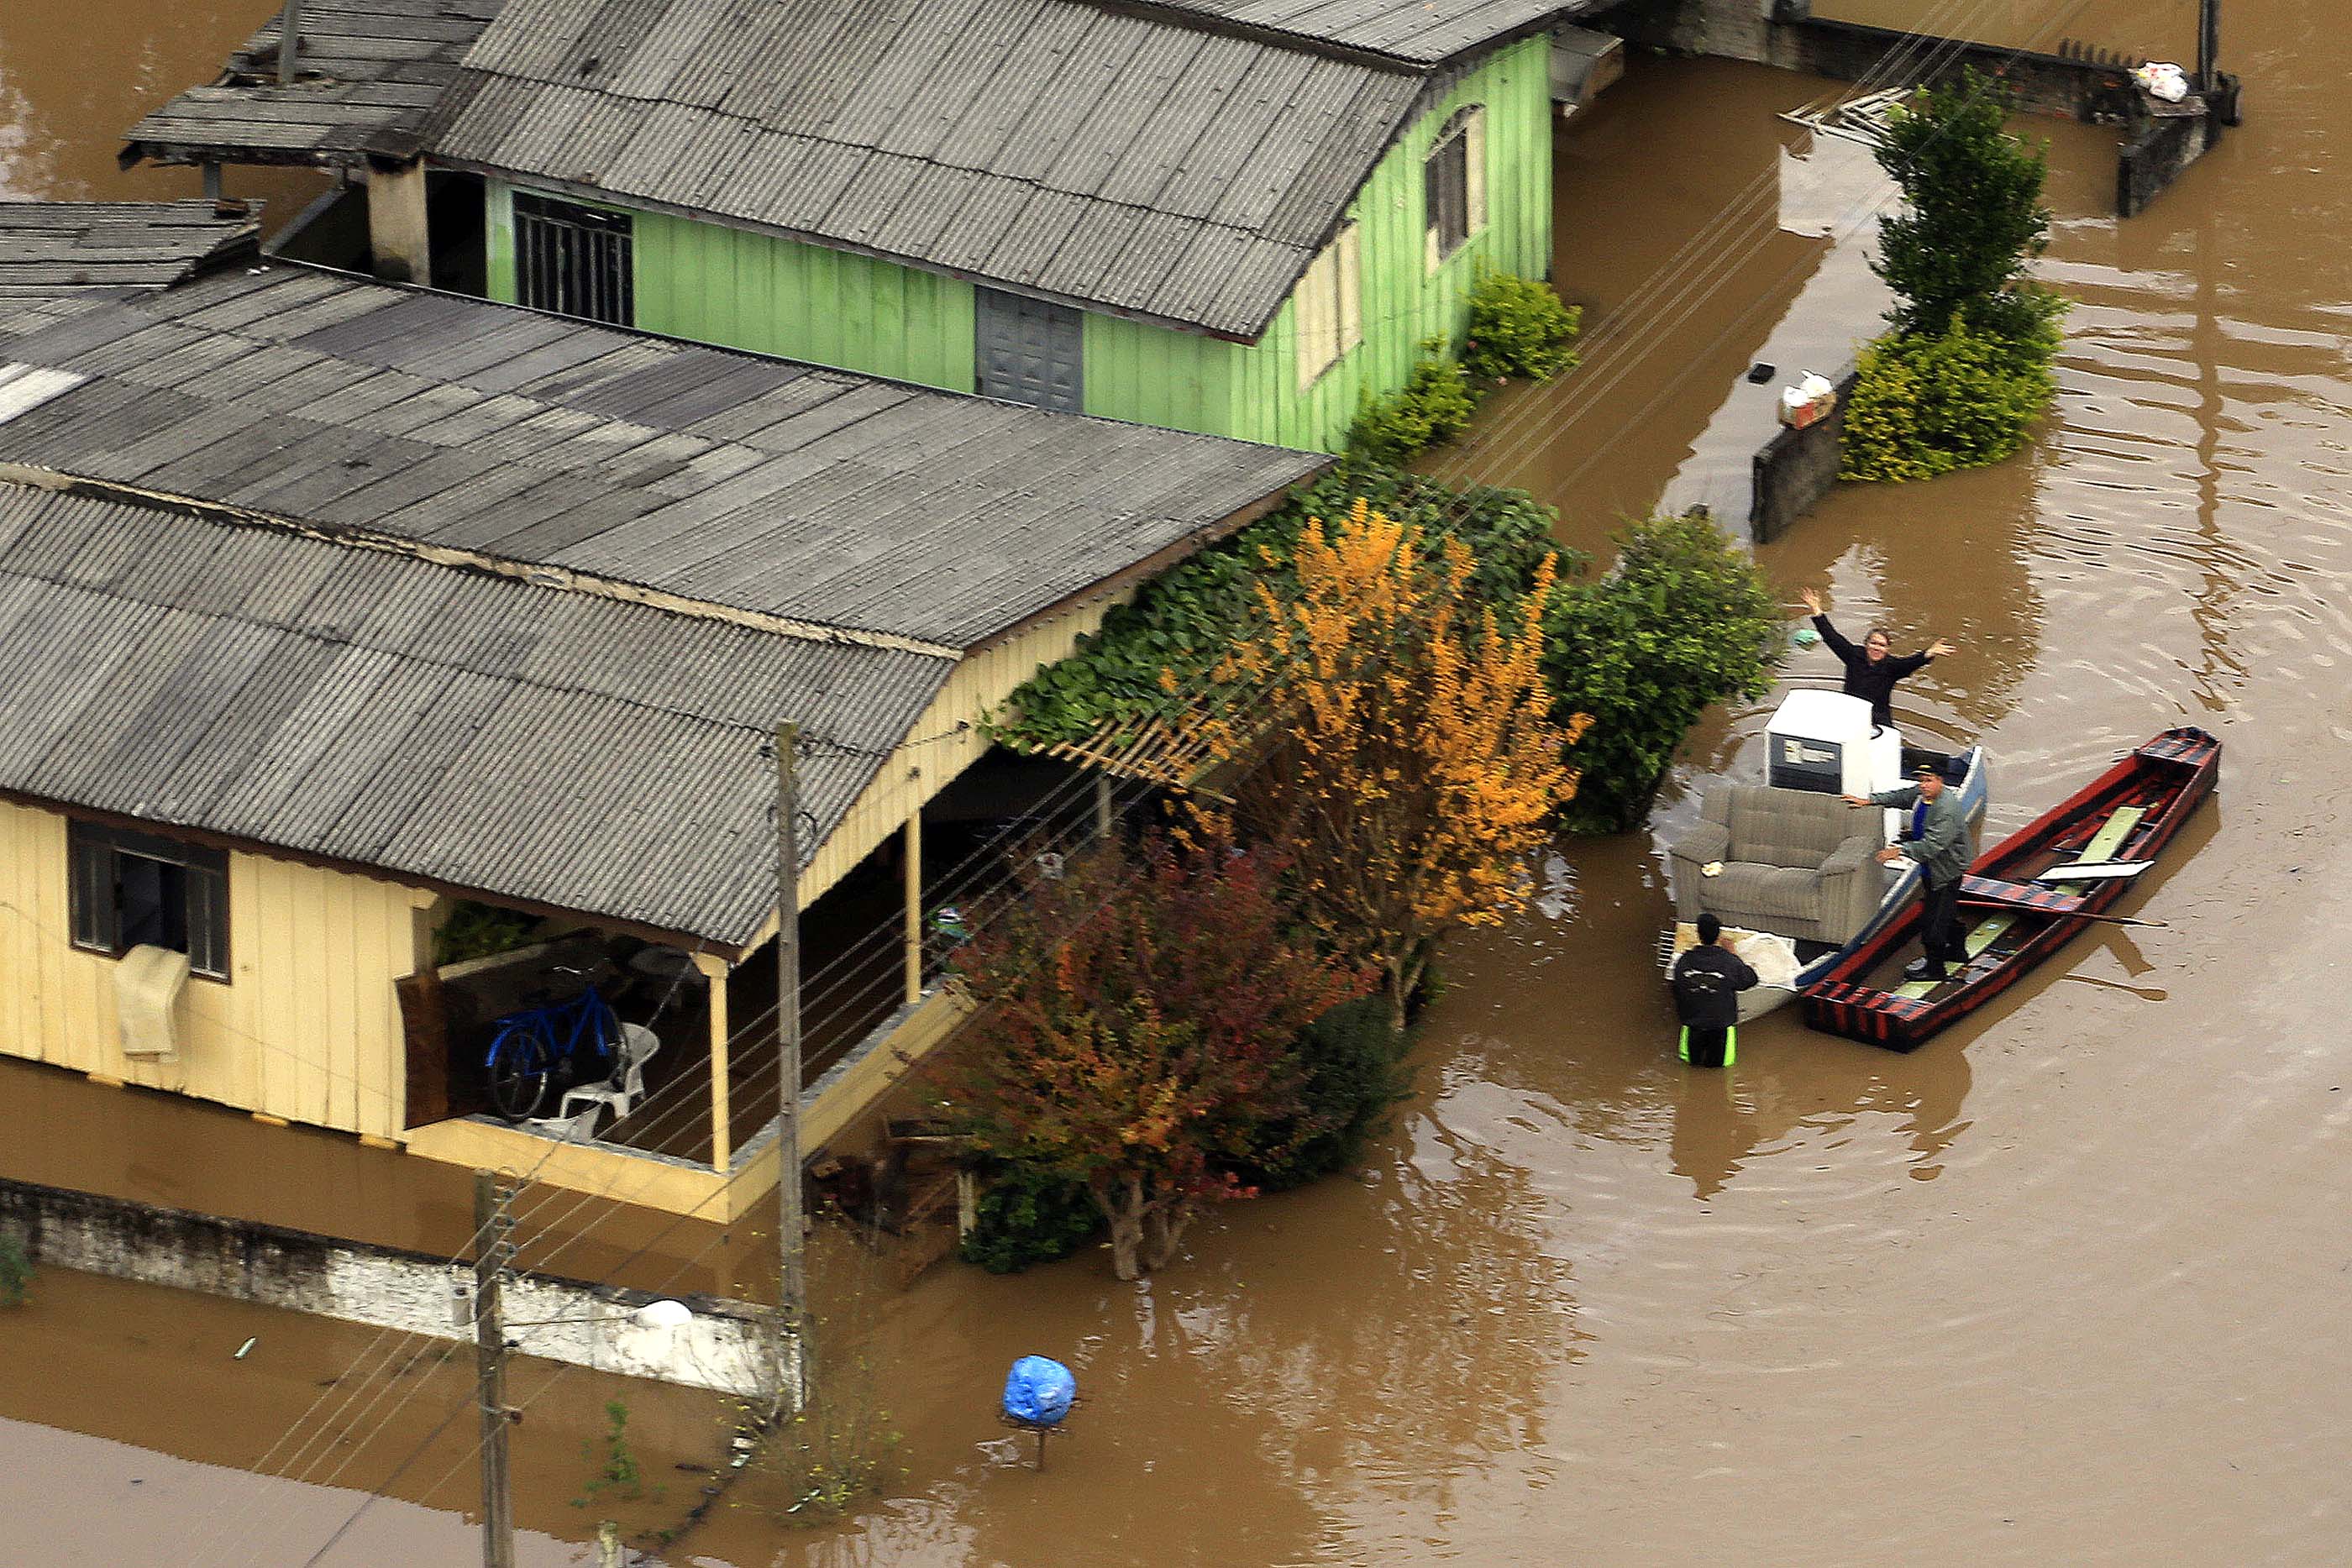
[(1184, 622)]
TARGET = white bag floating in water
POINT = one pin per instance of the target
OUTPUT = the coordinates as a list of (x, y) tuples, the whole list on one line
[(2168, 82)]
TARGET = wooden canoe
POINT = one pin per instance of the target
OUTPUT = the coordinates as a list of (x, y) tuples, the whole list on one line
[(2130, 812)]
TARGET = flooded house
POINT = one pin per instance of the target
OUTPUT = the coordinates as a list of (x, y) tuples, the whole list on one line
[(1232, 216), (346, 620)]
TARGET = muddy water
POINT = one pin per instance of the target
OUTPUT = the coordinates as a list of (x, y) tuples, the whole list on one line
[(2066, 1286)]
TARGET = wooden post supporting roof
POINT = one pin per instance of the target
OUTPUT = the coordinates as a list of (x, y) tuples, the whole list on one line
[(722, 1140), (913, 935)]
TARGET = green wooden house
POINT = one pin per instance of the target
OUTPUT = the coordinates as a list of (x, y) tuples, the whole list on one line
[(1232, 216)]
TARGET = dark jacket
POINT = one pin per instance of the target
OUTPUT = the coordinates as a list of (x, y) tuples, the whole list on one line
[(1873, 683), (1707, 982), (1942, 845)]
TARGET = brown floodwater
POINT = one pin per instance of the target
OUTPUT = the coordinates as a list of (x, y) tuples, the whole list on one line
[(2066, 1286)]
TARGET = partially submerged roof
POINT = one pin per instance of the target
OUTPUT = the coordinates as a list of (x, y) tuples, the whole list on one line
[(366, 73), (822, 500), (48, 248), (451, 726), (1139, 163)]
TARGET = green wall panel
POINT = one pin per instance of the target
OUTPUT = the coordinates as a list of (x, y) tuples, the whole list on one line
[(775, 296), (1156, 376)]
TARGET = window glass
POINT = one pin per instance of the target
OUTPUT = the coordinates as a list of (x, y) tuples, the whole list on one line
[(1453, 181), (127, 889), (1330, 306)]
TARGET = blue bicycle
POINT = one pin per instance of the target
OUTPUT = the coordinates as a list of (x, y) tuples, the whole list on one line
[(531, 1047)]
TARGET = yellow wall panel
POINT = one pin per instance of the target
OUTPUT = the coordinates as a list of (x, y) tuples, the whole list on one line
[(308, 1028)]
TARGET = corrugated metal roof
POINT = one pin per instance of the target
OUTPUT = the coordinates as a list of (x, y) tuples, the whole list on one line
[(432, 721), (752, 484), (57, 247), (366, 73), (1020, 141)]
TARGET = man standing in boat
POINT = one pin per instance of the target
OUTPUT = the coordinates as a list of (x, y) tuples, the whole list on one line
[(1707, 982), (1936, 836), (1872, 670)]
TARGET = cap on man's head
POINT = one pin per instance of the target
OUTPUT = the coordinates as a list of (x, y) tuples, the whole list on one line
[(1928, 770), (1709, 927)]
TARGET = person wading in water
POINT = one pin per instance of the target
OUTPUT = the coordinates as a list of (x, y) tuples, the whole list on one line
[(1707, 982), (1936, 834), (1872, 670)]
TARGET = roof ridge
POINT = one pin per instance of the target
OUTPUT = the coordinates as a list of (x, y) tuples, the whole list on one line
[(546, 575), (1199, 19)]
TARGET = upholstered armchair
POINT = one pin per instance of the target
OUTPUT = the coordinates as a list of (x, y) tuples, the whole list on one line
[(1795, 863)]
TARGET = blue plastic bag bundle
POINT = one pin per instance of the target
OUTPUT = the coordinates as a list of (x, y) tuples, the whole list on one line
[(1039, 1391)]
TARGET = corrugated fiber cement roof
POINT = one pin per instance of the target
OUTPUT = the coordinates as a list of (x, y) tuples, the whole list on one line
[(557, 747)]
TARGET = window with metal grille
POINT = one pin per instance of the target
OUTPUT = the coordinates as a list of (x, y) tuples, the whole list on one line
[(574, 260), (132, 890), (1454, 181)]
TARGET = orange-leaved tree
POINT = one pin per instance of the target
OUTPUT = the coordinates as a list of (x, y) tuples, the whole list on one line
[(1394, 736), (1137, 1032)]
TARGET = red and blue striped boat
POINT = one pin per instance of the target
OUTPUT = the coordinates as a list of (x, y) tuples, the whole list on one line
[(2129, 813)]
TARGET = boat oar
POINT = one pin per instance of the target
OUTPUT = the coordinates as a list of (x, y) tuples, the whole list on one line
[(2070, 913)]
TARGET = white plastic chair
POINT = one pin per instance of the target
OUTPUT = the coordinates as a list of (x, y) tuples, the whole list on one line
[(638, 1044)]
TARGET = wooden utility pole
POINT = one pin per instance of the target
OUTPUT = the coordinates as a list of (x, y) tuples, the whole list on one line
[(493, 1228), (792, 1295)]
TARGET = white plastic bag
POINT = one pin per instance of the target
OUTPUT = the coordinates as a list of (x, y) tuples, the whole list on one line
[(1808, 401), (2166, 82)]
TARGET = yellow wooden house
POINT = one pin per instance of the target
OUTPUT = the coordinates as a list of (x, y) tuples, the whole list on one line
[(336, 611)]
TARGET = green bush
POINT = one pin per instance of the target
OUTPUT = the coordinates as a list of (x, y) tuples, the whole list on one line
[(1684, 620), (1355, 1071), (15, 1271), (1518, 328), (478, 930), (1433, 405), (1185, 619), (1926, 405), (1028, 1216)]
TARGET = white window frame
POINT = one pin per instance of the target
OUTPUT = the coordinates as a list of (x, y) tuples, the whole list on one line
[(1469, 126), (1329, 310)]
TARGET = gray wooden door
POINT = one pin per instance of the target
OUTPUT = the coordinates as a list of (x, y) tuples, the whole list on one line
[(1029, 351)]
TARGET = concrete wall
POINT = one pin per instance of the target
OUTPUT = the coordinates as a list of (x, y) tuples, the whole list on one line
[(2160, 148), (1797, 467), (721, 1349)]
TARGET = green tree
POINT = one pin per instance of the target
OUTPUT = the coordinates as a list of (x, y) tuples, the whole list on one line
[(1685, 619), (1972, 218)]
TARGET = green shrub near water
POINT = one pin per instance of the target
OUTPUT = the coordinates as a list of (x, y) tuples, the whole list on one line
[(1957, 381), (1355, 1072), (1518, 327), (1435, 405), (1684, 620), (1924, 405), (1028, 1216), (15, 1271)]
